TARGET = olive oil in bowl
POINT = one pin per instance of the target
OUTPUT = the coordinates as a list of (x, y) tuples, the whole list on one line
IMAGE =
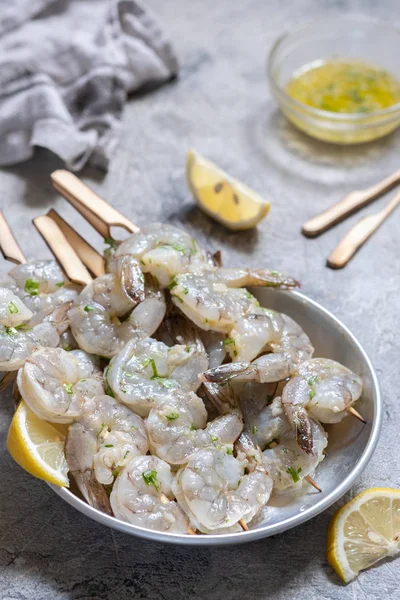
[(345, 87)]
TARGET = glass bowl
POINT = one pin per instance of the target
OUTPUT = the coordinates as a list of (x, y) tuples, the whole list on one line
[(347, 37)]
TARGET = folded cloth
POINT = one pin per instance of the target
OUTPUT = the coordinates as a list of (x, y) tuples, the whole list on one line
[(66, 67)]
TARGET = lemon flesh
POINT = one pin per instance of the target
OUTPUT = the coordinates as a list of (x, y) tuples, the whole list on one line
[(38, 446), (221, 197), (364, 531)]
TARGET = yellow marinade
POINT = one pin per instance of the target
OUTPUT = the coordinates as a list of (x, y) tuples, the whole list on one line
[(344, 87)]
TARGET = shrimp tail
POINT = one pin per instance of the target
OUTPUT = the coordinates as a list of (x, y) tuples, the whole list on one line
[(93, 491), (269, 278), (302, 428), (242, 370), (132, 279)]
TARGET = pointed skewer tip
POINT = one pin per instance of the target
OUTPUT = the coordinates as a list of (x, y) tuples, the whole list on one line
[(352, 411), (312, 482)]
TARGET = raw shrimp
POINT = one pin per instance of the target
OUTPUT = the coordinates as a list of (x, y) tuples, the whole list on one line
[(54, 383), (215, 299), (281, 335), (17, 344), (42, 286), (95, 323), (323, 388), (178, 428), (284, 460), (163, 251), (146, 370), (100, 443), (13, 311), (215, 492), (142, 495)]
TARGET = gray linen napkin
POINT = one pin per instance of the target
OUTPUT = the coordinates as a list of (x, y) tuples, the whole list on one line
[(66, 68)]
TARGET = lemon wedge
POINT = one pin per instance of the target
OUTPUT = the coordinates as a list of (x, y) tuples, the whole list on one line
[(223, 198), (364, 531), (38, 446)]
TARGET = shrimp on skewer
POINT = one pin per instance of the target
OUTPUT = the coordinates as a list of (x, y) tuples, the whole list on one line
[(178, 428), (216, 493), (142, 495), (16, 344), (95, 321), (13, 312), (146, 370), (285, 340), (163, 251), (42, 287), (322, 388), (215, 299), (54, 383), (106, 436)]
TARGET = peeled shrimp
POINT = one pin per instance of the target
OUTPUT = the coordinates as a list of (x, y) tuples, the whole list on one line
[(42, 286), (54, 383), (17, 344), (178, 428), (215, 299), (322, 388), (13, 311), (146, 370), (285, 340), (163, 251), (142, 495), (215, 492), (287, 463), (106, 436), (95, 321)]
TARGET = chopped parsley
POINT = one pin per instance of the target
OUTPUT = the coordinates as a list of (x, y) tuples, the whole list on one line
[(87, 308), (152, 362), (150, 478), (179, 248), (68, 388), (142, 261), (254, 430), (111, 242), (185, 290), (187, 349), (60, 284), (229, 451), (126, 454), (108, 445), (10, 330), (109, 391), (67, 348), (229, 341), (172, 284), (294, 473), (192, 427), (172, 415), (101, 430), (312, 380), (31, 287), (214, 438), (248, 295), (311, 394), (13, 308)]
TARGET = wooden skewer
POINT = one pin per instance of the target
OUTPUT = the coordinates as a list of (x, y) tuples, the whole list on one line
[(88, 255), (62, 250), (8, 244), (359, 234), (243, 524), (356, 414), (101, 215), (350, 204), (312, 482)]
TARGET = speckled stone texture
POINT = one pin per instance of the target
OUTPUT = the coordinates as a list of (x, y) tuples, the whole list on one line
[(221, 106)]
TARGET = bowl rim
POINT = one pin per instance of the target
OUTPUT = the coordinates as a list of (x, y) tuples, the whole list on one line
[(266, 530), (359, 118)]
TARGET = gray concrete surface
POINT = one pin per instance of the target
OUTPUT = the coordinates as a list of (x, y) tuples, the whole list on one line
[(221, 106)]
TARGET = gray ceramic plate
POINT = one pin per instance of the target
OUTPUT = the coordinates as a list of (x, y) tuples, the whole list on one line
[(350, 447)]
